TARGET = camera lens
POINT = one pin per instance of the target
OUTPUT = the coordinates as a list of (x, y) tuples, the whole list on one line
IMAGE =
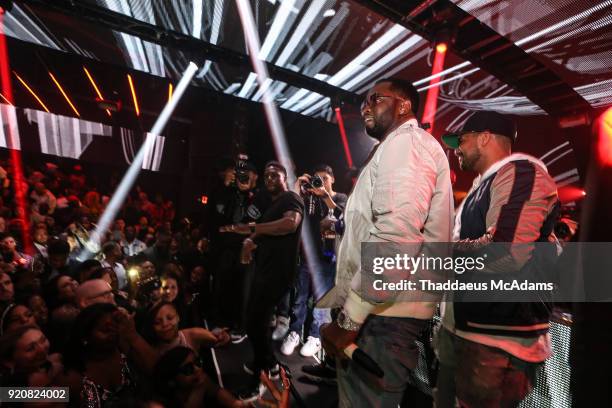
[(317, 182)]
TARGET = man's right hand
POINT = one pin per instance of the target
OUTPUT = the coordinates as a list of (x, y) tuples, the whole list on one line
[(304, 178), (335, 339), (326, 225), (246, 254), (230, 177)]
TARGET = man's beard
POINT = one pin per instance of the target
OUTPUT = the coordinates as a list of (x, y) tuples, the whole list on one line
[(377, 132), (468, 162), (381, 126)]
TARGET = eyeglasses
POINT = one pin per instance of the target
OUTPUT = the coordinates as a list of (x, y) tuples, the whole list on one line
[(374, 99), (190, 368)]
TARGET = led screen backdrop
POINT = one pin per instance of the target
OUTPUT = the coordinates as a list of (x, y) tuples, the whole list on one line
[(35, 131)]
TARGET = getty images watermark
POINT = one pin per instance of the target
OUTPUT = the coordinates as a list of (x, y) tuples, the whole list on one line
[(496, 272)]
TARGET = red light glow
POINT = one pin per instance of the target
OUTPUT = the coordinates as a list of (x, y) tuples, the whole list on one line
[(604, 143), (347, 151), (431, 102), (19, 181), (567, 194)]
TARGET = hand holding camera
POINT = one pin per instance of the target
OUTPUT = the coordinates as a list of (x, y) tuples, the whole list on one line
[(311, 185)]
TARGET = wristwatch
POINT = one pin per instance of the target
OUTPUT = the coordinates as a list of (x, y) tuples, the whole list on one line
[(344, 321), (252, 227)]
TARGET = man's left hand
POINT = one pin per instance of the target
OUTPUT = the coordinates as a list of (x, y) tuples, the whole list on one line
[(319, 192), (335, 339), (242, 229)]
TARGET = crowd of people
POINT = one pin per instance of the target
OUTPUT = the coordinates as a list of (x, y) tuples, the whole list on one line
[(276, 262), (123, 323)]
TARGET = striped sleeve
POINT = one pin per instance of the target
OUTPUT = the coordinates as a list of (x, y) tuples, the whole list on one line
[(522, 196)]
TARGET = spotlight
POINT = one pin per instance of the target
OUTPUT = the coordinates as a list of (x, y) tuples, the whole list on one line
[(133, 273), (443, 39)]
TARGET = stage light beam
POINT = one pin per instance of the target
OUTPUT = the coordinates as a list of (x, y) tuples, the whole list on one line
[(31, 92), (277, 133), (129, 179), (133, 91), (64, 94), (5, 100), (347, 150), (431, 102), (96, 89)]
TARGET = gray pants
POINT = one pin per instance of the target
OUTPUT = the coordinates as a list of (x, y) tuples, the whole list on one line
[(390, 341), (479, 376)]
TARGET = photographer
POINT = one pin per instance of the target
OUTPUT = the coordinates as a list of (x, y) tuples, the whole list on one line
[(316, 277), (238, 201)]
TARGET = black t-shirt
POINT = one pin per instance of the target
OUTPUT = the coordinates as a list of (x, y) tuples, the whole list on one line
[(276, 255), (231, 206)]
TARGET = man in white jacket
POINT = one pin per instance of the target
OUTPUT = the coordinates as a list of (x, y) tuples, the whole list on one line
[(403, 196)]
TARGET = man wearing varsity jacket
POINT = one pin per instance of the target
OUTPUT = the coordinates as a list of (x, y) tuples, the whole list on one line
[(489, 352)]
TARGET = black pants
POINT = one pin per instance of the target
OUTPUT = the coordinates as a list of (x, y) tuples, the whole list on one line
[(229, 289), (264, 296)]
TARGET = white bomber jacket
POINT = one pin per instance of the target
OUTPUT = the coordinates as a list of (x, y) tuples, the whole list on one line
[(402, 195)]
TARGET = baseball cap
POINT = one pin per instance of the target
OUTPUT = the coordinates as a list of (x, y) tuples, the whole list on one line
[(481, 121)]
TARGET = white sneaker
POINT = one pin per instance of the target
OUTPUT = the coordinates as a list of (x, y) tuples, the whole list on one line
[(290, 343), (282, 327), (311, 347)]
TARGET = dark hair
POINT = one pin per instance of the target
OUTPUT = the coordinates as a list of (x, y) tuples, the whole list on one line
[(98, 273), (276, 164), (4, 315), (179, 302), (323, 168), (51, 292), (148, 330), (9, 340), (83, 325), (87, 266), (7, 234), (167, 368), (58, 246), (109, 246), (405, 89)]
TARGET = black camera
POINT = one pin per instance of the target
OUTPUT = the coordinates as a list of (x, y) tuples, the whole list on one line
[(242, 171), (315, 182)]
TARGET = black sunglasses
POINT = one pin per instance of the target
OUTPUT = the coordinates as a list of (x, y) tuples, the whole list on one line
[(189, 368), (372, 99)]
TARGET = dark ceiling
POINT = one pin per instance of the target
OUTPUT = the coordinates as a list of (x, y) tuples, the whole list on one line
[(320, 52)]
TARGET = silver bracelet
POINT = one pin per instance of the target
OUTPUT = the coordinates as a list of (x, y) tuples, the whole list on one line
[(345, 322)]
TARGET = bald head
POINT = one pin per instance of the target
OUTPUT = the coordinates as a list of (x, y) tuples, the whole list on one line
[(94, 291)]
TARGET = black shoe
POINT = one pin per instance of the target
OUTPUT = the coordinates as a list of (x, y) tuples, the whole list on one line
[(320, 373), (252, 393), (273, 373)]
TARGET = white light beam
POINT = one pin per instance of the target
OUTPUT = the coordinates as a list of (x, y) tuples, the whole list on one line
[(130, 177)]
